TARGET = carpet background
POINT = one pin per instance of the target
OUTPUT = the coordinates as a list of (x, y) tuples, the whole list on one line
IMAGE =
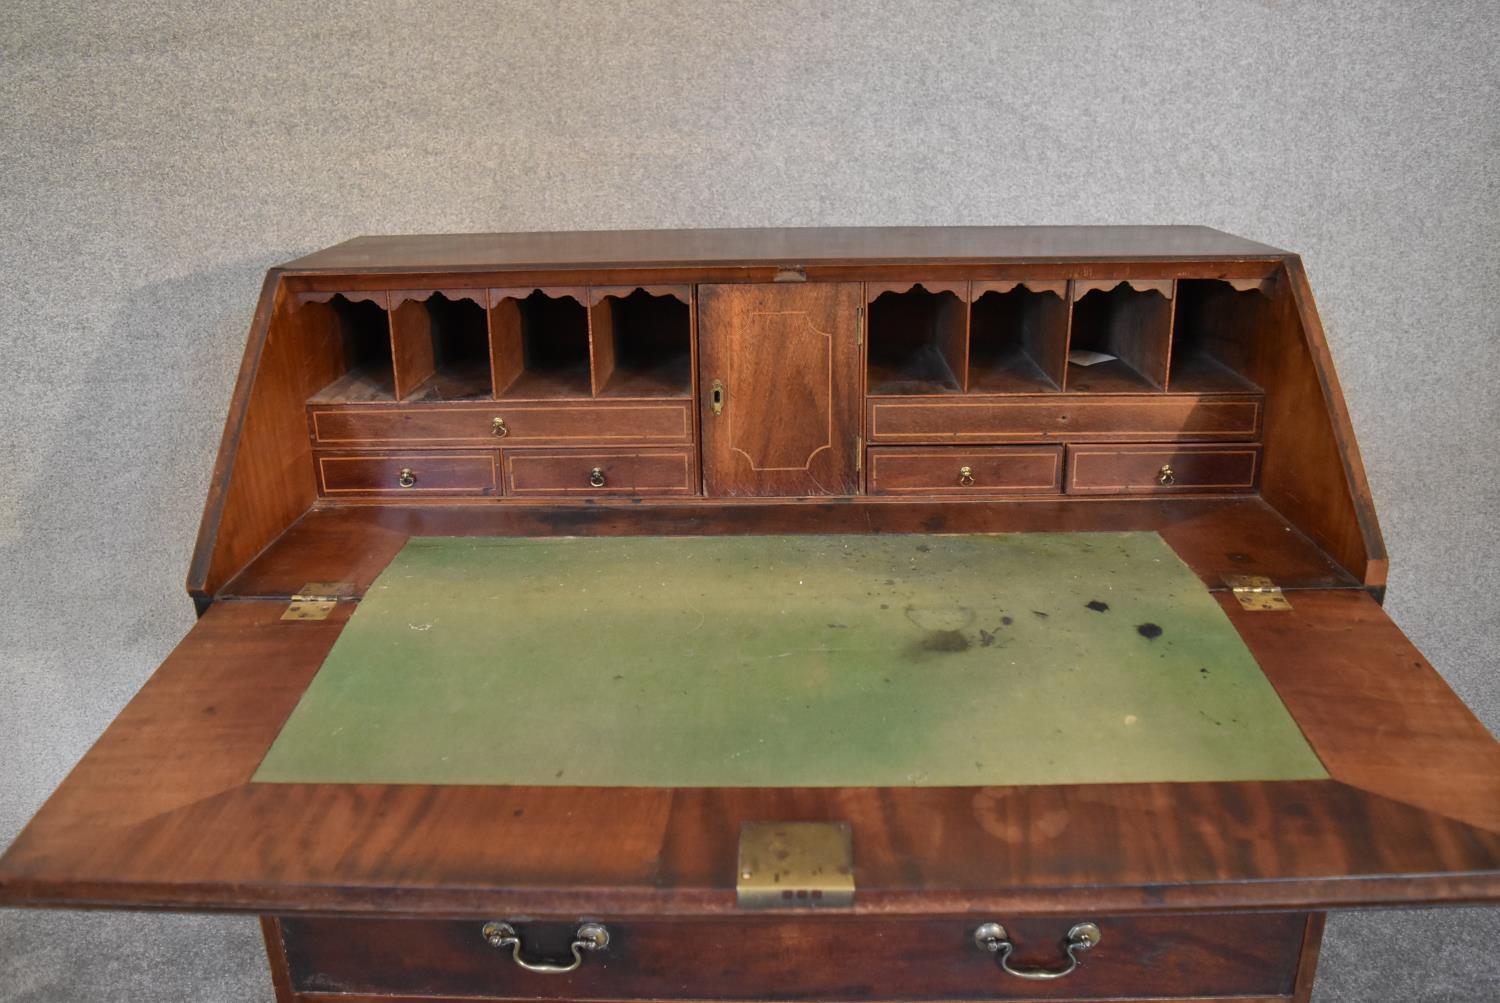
[(158, 157)]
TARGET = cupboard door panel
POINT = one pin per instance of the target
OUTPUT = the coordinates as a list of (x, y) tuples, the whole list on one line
[(779, 374)]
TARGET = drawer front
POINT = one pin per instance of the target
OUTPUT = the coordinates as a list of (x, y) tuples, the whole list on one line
[(956, 470), (1114, 470), (560, 424), (413, 473), (801, 959), (599, 472), (1064, 418)]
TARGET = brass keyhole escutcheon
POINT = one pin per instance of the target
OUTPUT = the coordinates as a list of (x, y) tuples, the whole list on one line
[(966, 476), (596, 477), (716, 397), (498, 429), (1165, 476), (406, 478)]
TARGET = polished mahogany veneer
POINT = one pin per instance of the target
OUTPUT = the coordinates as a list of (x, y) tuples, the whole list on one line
[(1069, 379)]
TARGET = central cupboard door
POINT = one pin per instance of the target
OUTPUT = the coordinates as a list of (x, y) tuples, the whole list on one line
[(779, 373)]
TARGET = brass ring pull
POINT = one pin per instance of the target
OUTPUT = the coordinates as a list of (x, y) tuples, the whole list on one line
[(993, 938), (1166, 477), (966, 476), (498, 429), (596, 477), (406, 478), (588, 937)]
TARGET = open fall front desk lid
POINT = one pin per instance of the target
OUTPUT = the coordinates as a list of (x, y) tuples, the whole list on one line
[(1030, 722)]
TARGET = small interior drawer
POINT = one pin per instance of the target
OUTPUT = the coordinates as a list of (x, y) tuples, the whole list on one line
[(1064, 418), (596, 472), (797, 959), (959, 470), (1129, 469), (406, 473), (561, 423)]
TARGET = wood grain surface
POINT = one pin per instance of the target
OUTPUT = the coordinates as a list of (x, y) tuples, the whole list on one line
[(161, 813)]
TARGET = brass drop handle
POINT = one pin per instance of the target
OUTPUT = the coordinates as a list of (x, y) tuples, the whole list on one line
[(1166, 477), (498, 429), (406, 478), (966, 476), (596, 477), (1081, 937), (588, 937)]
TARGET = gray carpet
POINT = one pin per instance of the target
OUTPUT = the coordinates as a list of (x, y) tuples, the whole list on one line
[(158, 157)]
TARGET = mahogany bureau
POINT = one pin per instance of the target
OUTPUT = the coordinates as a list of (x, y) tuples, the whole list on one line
[(1170, 385)]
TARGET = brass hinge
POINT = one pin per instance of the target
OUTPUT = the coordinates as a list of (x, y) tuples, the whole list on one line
[(859, 327), (792, 865), (1257, 592), (316, 600), (859, 453)]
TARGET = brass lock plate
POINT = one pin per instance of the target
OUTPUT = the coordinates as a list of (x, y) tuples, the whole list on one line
[(795, 865), (315, 600)]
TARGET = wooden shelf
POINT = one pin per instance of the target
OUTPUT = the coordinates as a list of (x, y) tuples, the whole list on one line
[(362, 331), (1129, 319), (1203, 374), (1216, 333), (918, 338), (642, 342), (539, 343), (441, 343), (1113, 377), (1018, 336)]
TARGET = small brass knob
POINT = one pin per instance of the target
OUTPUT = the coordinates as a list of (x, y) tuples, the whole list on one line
[(406, 478), (966, 476), (498, 429), (1165, 476), (596, 477)]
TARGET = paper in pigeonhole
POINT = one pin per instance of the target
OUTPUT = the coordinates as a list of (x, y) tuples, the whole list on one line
[(1084, 357)]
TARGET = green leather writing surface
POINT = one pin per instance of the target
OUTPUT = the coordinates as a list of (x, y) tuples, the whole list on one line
[(789, 661)]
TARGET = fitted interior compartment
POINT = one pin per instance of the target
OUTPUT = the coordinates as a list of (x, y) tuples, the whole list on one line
[(1215, 334), (642, 342), (1129, 319), (361, 331), (442, 346), (539, 343), (1018, 336), (918, 338)]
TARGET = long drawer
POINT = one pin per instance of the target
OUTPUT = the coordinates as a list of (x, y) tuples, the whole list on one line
[(599, 472), (965, 470), (491, 423), (834, 959), (1158, 469), (1064, 418), (410, 473)]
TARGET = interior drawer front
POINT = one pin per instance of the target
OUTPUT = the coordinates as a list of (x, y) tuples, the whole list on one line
[(956, 470), (1113, 470), (1072, 418), (801, 959), (410, 473), (599, 472), (559, 424)]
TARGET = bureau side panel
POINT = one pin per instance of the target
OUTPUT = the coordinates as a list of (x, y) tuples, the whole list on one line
[(263, 480)]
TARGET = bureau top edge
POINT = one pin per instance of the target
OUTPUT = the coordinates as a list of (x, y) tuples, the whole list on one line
[(787, 247)]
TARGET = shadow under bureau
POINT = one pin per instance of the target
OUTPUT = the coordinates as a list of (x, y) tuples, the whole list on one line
[(845, 614)]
